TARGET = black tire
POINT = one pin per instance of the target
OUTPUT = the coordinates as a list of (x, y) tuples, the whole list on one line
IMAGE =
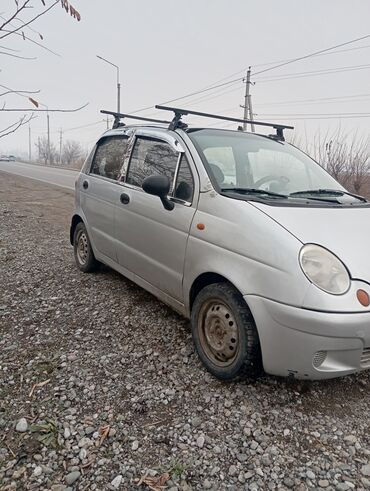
[(83, 252), (224, 333)]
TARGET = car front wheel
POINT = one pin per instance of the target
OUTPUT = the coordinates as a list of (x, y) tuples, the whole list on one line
[(224, 333)]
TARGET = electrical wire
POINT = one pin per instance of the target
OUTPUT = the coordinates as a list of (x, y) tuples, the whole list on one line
[(206, 89), (243, 70), (297, 117), (317, 100), (310, 55), (327, 71)]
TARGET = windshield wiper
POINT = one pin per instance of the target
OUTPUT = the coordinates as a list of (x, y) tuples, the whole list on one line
[(327, 192), (254, 191)]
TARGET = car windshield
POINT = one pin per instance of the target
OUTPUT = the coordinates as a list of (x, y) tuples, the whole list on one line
[(246, 163)]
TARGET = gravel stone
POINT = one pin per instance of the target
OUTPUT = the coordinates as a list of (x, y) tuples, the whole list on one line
[(72, 477), (365, 470), (200, 441), (323, 483), (116, 483), (22, 425), (37, 471), (310, 475), (207, 484)]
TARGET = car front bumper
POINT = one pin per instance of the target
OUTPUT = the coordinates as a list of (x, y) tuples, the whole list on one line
[(310, 345)]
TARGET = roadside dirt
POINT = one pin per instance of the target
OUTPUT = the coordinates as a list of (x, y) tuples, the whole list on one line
[(47, 202)]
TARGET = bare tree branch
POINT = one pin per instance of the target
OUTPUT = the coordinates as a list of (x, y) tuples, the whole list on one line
[(33, 41), (30, 21), (23, 121), (45, 110), (15, 15), (17, 56), (10, 49), (19, 92)]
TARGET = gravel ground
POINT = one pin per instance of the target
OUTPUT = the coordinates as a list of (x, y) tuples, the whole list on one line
[(100, 386)]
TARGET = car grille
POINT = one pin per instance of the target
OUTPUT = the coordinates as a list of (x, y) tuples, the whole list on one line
[(365, 358)]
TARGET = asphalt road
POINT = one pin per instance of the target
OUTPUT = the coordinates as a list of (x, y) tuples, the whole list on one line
[(60, 177)]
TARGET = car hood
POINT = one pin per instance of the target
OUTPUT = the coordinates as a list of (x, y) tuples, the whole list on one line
[(344, 231)]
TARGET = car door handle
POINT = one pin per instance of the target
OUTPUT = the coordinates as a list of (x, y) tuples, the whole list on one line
[(85, 184), (125, 199)]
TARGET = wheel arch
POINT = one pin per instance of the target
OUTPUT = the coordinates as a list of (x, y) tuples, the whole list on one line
[(204, 280), (76, 219)]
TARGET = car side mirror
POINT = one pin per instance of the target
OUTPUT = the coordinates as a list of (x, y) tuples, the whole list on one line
[(159, 186)]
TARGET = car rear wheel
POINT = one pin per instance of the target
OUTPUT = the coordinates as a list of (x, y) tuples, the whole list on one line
[(224, 333), (83, 252)]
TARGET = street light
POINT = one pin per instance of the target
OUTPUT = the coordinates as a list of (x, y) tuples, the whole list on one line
[(118, 82)]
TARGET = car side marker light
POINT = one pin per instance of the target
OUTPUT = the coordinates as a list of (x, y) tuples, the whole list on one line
[(363, 298), (201, 226)]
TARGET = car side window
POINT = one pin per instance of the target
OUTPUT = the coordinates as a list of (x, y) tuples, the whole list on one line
[(109, 157), (151, 157), (184, 188)]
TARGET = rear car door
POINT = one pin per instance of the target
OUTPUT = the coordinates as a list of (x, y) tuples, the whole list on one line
[(100, 191), (151, 241)]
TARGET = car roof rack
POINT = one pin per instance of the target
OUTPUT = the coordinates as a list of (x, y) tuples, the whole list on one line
[(118, 116), (177, 123)]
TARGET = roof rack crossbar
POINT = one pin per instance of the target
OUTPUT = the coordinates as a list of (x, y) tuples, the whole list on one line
[(118, 116), (176, 122)]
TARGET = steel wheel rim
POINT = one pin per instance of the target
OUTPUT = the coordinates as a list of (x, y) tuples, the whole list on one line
[(82, 248), (218, 332)]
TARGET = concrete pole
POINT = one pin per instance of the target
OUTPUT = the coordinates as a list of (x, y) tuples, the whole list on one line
[(246, 98), (60, 146), (29, 143), (251, 113), (48, 124)]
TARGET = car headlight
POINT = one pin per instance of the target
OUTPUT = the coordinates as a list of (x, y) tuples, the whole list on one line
[(324, 269)]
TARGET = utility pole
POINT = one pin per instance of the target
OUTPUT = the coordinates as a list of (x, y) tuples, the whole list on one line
[(48, 124), (251, 113), (29, 144), (60, 145), (248, 113)]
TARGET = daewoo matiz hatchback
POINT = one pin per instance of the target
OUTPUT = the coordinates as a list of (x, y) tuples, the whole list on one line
[(243, 233)]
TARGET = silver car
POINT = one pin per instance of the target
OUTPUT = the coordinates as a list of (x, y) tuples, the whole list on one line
[(242, 233)]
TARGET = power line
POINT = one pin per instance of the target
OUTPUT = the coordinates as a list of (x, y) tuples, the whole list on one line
[(316, 100), (85, 125), (290, 59), (316, 114), (206, 89), (326, 71), (189, 95), (315, 53), (323, 54), (302, 116)]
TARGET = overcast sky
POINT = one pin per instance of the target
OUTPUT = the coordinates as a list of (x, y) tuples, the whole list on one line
[(167, 48)]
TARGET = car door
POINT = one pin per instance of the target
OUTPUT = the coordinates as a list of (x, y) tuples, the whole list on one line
[(151, 241), (100, 191)]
